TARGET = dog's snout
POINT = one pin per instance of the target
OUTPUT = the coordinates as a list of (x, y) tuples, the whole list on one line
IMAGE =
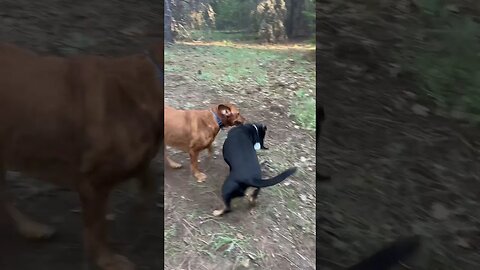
[(239, 121)]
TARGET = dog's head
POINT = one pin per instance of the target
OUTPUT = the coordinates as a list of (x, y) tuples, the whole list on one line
[(229, 114), (260, 130)]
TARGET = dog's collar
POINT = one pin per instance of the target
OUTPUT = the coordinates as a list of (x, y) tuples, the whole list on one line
[(158, 68), (256, 130), (219, 121), (256, 146)]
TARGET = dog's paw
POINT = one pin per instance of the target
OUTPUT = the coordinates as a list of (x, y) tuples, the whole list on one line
[(218, 213), (37, 231), (252, 201), (201, 177), (175, 165), (115, 262)]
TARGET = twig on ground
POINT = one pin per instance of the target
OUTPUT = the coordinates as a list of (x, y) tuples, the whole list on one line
[(466, 142), (190, 225), (404, 265), (331, 263), (290, 261)]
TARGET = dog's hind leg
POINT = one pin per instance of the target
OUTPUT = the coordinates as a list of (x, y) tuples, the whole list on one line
[(171, 163), (25, 226), (94, 203), (252, 197)]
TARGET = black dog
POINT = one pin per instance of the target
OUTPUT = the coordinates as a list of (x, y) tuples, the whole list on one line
[(391, 255), (239, 152)]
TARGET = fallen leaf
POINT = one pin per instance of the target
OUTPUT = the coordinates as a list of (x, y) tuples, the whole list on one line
[(439, 211), (245, 263), (463, 243), (453, 8), (420, 110)]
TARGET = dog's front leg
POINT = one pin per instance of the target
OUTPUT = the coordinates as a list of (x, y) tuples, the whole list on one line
[(224, 210), (210, 151), (94, 204), (201, 177), (228, 193)]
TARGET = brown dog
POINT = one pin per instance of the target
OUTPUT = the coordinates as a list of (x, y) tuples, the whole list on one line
[(193, 131), (85, 122)]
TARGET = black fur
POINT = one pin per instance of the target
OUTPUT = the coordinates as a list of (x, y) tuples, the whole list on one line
[(241, 157), (390, 255)]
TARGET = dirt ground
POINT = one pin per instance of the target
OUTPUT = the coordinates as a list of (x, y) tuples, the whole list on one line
[(279, 233), (395, 171), (109, 27)]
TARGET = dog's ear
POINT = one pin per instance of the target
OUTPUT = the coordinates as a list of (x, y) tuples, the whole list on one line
[(224, 110)]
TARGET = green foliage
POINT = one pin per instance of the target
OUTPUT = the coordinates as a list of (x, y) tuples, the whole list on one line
[(433, 8), (304, 109), (233, 14), (310, 14), (448, 64)]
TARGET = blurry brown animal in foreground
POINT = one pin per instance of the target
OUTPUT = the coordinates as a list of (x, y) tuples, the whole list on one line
[(84, 122), (193, 131)]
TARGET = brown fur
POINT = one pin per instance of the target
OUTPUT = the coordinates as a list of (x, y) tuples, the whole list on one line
[(85, 122), (193, 131)]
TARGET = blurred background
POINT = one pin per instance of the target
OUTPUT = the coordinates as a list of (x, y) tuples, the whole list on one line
[(111, 28), (400, 84), (270, 21)]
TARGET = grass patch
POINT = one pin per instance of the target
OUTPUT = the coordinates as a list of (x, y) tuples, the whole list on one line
[(447, 62), (206, 76), (173, 248), (303, 110), (229, 65), (233, 65), (227, 243), (173, 69)]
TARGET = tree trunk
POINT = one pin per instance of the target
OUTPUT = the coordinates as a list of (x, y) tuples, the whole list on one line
[(270, 16), (168, 22), (296, 23)]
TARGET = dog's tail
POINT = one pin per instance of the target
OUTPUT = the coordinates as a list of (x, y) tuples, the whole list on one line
[(389, 256), (261, 183)]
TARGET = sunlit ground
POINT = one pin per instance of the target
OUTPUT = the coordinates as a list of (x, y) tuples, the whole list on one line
[(244, 45)]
